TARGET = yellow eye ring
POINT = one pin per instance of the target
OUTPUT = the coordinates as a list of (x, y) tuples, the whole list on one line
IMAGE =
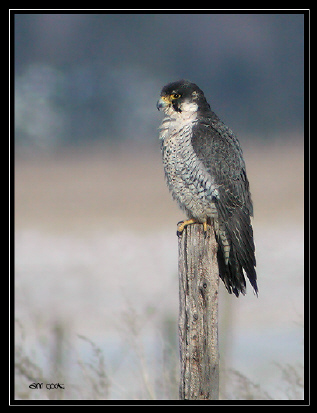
[(175, 96)]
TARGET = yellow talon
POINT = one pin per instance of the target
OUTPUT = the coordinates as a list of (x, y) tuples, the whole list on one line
[(181, 225)]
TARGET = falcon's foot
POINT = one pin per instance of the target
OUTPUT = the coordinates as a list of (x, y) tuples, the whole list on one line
[(182, 224)]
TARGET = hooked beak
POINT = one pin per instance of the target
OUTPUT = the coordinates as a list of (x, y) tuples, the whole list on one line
[(163, 102)]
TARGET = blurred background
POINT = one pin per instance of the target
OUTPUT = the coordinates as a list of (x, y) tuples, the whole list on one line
[(95, 227)]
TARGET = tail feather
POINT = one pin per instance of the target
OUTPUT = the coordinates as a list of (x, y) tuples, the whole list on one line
[(239, 258)]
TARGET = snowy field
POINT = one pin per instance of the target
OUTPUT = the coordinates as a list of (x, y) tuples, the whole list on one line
[(96, 287)]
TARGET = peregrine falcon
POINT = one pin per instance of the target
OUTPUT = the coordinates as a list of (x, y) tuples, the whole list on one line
[(206, 175)]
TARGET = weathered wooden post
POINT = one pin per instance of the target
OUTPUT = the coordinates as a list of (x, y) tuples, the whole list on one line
[(198, 314)]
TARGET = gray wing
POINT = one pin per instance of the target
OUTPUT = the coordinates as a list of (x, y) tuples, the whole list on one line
[(219, 150)]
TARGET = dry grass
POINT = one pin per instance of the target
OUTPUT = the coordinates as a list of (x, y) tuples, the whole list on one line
[(155, 379)]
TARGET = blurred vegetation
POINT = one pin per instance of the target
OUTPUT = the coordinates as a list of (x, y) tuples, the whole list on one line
[(153, 375)]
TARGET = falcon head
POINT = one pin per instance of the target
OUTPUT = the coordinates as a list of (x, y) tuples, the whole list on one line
[(182, 97)]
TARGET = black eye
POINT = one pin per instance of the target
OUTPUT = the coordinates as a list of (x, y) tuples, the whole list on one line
[(175, 96)]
